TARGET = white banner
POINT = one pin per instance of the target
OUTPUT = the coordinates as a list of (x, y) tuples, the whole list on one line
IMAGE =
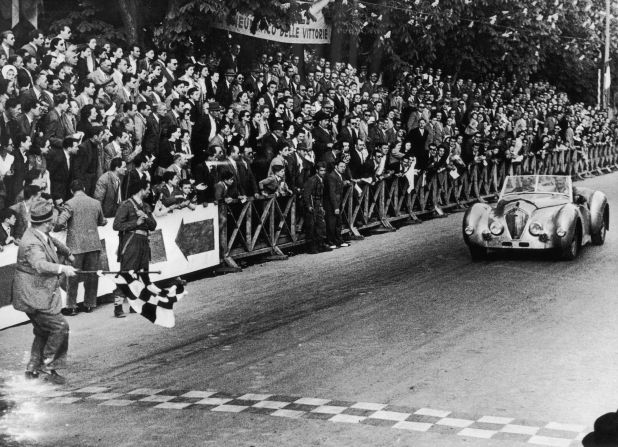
[(185, 241), (307, 32)]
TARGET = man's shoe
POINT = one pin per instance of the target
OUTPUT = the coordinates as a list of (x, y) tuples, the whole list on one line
[(344, 244), (32, 375), (332, 247), (118, 312), (50, 375), (69, 311), (88, 309), (325, 248)]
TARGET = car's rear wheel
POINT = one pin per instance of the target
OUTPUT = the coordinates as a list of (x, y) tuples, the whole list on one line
[(477, 253), (571, 251), (598, 237)]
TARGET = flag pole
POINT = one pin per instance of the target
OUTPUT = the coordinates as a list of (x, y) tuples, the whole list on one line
[(119, 272)]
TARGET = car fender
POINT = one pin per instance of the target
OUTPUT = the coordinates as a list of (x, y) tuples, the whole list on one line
[(476, 217), (598, 206), (567, 219)]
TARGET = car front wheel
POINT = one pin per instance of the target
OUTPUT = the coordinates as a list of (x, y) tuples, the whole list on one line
[(598, 237), (571, 251)]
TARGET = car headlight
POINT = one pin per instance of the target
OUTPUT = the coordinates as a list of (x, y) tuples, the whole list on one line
[(469, 230), (561, 232), (536, 229), (496, 228)]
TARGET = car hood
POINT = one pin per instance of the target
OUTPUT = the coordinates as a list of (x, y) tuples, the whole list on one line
[(539, 200)]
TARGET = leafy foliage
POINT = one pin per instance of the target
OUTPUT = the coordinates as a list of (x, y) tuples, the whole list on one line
[(84, 20)]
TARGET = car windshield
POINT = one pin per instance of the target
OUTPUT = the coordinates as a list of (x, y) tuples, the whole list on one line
[(537, 184)]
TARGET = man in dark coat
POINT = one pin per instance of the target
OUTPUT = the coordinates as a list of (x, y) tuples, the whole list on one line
[(322, 139), (313, 195), (59, 165), (134, 222), (333, 195)]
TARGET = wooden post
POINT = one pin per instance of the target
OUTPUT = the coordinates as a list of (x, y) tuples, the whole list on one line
[(230, 265)]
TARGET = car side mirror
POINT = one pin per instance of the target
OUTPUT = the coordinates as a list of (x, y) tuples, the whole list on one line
[(580, 200)]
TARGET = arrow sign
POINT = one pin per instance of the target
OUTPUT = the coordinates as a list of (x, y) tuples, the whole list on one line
[(195, 237)]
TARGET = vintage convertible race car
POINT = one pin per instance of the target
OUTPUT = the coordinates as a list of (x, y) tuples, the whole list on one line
[(538, 212)]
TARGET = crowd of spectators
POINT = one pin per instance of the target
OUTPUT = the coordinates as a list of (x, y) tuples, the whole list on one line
[(112, 115)]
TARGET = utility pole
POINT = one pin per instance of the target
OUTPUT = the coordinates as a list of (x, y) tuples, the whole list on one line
[(606, 77)]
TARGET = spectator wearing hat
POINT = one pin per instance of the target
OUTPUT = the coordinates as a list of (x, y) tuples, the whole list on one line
[(80, 216), (36, 291), (225, 94), (322, 139)]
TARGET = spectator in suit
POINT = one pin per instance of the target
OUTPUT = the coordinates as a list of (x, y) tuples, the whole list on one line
[(80, 216), (224, 93), (103, 73), (322, 139), (34, 47), (53, 128), (89, 153), (231, 164), (168, 148), (19, 167), (25, 73), (170, 193), (203, 131), (152, 134), (333, 195), (7, 39), (59, 165), (8, 219), (206, 176), (107, 189), (230, 60), (418, 137)]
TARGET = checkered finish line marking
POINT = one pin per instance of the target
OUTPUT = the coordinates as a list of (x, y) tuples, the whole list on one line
[(366, 413)]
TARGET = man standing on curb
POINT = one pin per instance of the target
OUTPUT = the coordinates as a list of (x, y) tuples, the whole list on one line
[(81, 215), (134, 222), (315, 227), (36, 291), (333, 196)]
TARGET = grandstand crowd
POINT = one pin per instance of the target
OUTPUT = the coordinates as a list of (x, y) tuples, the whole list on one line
[(198, 130)]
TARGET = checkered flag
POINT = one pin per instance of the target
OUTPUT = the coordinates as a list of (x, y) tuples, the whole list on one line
[(153, 303)]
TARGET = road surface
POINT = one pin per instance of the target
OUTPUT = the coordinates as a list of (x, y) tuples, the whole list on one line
[(399, 339)]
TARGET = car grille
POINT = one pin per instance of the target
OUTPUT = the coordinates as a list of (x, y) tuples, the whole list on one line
[(516, 220)]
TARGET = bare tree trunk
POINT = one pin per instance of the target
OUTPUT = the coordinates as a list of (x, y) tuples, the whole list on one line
[(131, 13)]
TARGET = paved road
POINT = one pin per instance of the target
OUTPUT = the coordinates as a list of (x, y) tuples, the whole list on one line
[(400, 338)]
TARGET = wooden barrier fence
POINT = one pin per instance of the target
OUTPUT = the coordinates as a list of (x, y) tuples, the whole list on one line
[(268, 225)]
